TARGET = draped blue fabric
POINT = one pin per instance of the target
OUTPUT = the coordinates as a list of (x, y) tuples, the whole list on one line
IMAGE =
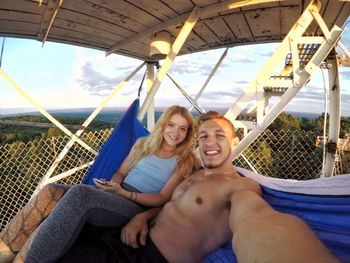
[(328, 216), (117, 146)]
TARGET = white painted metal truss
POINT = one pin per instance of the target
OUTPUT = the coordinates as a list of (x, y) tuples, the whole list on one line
[(66, 159), (302, 54)]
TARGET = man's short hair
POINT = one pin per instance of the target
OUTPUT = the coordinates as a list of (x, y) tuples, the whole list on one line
[(214, 115)]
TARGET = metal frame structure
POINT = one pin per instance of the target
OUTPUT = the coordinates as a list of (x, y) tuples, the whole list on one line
[(306, 54), (175, 48), (334, 114), (293, 76), (304, 64)]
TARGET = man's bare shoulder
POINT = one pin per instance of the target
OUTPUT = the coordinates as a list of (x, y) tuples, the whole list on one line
[(245, 184)]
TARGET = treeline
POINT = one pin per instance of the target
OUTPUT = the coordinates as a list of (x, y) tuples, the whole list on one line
[(11, 133), (288, 148), (289, 122)]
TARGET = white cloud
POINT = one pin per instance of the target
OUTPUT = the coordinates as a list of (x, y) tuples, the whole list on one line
[(89, 77), (242, 59), (99, 75)]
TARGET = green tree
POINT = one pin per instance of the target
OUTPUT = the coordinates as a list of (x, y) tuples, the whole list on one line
[(285, 122), (306, 124), (53, 132)]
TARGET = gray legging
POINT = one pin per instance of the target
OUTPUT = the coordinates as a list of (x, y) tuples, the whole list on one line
[(80, 204)]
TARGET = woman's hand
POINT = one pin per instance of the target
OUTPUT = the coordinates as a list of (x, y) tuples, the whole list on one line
[(137, 226), (111, 187)]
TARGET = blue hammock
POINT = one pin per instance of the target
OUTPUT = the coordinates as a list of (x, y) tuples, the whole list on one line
[(325, 211), (117, 146), (324, 204)]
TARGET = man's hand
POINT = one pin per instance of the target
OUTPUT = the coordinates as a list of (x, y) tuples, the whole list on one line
[(137, 226)]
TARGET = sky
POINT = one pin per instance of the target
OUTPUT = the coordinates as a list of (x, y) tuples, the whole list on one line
[(61, 76)]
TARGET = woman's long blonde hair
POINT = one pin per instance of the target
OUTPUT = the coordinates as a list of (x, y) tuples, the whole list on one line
[(186, 160)]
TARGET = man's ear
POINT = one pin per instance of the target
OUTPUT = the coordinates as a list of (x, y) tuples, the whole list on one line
[(235, 142)]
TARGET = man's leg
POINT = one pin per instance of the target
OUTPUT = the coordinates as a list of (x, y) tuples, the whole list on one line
[(17, 231), (109, 248), (261, 234)]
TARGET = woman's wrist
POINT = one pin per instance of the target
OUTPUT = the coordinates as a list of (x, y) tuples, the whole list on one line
[(132, 196), (122, 192)]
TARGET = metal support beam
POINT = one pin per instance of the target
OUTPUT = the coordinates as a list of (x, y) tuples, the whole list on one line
[(44, 112), (344, 60), (213, 71), (149, 83), (48, 18), (65, 174), (260, 105), (71, 142), (186, 95), (304, 76), (334, 115), (269, 68), (178, 43)]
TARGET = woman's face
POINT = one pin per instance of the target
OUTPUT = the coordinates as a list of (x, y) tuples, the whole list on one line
[(176, 130)]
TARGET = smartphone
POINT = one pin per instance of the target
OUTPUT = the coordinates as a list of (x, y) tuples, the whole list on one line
[(99, 181)]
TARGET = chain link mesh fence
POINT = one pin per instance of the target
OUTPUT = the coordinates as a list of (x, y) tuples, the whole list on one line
[(23, 165), (284, 154), (281, 154)]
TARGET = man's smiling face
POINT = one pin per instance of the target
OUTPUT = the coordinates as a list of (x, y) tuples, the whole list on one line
[(215, 139)]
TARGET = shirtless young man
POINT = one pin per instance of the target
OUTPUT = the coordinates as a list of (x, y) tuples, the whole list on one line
[(217, 205)]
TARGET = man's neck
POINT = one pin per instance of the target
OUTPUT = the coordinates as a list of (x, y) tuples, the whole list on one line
[(222, 169)]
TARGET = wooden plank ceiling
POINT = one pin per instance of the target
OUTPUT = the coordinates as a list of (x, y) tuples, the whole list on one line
[(109, 24)]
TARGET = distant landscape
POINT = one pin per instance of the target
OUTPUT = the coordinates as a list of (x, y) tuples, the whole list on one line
[(109, 117), (302, 129), (111, 114)]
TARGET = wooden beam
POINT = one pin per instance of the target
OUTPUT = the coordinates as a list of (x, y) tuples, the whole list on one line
[(204, 12), (48, 18)]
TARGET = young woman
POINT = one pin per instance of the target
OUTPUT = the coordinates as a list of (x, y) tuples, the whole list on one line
[(155, 166)]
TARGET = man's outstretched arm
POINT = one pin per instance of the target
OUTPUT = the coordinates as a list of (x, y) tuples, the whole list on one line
[(138, 227), (261, 234)]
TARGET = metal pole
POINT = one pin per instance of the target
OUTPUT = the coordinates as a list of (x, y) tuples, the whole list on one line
[(265, 72), (334, 115), (178, 43), (303, 76), (213, 71), (186, 95), (70, 143), (149, 83), (44, 112)]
